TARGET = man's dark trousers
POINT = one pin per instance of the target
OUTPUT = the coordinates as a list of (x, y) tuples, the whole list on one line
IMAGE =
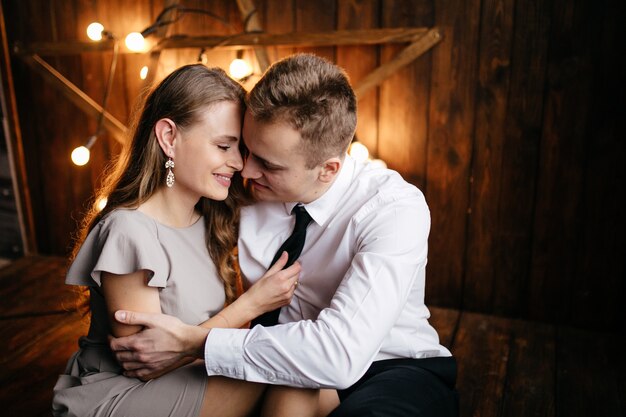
[(403, 388)]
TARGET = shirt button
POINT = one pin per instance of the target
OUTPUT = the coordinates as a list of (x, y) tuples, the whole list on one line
[(271, 378)]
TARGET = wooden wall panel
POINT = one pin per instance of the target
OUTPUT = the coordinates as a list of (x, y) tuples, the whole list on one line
[(359, 61), (48, 137), (72, 184), (278, 17), (509, 126), (403, 121), (29, 121), (601, 267), (450, 130), (521, 135), (492, 93), (522, 138), (558, 209), (316, 16)]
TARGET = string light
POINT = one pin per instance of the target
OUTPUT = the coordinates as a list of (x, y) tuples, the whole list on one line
[(135, 42), (379, 163), (358, 151), (143, 73), (239, 68), (101, 203), (94, 31), (80, 155)]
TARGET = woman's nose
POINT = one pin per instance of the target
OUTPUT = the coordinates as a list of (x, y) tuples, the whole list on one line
[(236, 161)]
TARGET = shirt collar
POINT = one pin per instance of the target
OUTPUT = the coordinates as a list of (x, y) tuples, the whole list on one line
[(321, 209)]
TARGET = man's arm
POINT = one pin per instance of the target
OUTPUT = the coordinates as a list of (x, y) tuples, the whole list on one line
[(333, 351), (165, 342), (336, 349), (168, 343)]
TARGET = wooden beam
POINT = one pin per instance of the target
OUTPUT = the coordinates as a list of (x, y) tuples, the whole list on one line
[(252, 24), (405, 57), (333, 38), (76, 95), (64, 47)]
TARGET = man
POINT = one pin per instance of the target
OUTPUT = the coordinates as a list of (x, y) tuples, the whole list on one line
[(357, 321)]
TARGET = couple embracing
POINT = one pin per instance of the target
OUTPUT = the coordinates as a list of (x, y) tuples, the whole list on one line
[(332, 254)]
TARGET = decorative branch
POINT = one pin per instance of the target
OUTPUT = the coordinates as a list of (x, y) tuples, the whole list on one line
[(251, 24), (76, 95), (405, 57)]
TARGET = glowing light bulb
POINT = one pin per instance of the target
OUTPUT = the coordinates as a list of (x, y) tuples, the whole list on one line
[(94, 31), (135, 42), (143, 73), (101, 203), (239, 69), (80, 156), (359, 151), (379, 163)]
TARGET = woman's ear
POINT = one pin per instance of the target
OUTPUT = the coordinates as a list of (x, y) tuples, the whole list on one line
[(165, 132)]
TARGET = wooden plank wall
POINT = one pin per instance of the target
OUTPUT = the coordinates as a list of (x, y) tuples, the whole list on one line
[(509, 126)]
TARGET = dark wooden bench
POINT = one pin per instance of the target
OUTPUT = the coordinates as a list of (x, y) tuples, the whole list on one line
[(507, 367)]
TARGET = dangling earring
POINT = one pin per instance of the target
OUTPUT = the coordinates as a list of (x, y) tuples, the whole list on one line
[(169, 180)]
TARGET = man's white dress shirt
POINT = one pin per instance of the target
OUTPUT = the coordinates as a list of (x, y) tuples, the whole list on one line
[(361, 292)]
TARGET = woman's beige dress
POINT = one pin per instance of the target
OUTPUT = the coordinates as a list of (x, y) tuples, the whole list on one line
[(178, 263)]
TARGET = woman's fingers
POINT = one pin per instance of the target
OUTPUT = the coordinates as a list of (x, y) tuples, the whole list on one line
[(279, 264)]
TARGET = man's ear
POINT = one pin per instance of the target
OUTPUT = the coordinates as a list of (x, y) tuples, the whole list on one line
[(165, 132), (330, 168)]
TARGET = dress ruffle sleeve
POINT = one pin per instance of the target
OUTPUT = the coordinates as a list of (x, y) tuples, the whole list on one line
[(120, 244)]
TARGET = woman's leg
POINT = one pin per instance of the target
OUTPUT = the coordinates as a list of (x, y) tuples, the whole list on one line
[(329, 400), (224, 397), (282, 401)]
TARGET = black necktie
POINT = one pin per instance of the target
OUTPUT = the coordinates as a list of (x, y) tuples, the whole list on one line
[(293, 245)]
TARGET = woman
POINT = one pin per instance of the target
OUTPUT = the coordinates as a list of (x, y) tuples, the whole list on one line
[(163, 243)]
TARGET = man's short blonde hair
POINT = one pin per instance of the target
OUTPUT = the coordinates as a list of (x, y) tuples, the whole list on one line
[(314, 97)]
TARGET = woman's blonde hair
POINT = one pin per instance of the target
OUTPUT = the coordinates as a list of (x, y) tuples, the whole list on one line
[(139, 170)]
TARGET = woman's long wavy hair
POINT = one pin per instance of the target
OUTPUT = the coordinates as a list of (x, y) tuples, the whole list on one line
[(139, 170)]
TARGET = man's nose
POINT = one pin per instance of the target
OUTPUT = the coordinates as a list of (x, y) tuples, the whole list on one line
[(250, 168)]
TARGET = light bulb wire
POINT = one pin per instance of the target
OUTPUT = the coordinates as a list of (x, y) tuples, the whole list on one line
[(182, 10), (107, 92)]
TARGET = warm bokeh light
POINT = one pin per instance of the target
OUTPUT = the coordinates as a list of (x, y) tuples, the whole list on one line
[(135, 42), (379, 163), (101, 203), (94, 31), (239, 69), (358, 151), (80, 155), (143, 73)]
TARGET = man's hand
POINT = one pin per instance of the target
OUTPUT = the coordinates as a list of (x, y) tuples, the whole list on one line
[(164, 344)]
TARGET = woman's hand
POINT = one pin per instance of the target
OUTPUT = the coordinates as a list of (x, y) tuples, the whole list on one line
[(274, 289)]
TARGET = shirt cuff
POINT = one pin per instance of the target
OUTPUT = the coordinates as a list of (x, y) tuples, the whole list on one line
[(223, 352)]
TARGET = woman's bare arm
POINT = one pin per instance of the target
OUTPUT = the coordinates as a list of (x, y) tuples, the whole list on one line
[(128, 292)]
